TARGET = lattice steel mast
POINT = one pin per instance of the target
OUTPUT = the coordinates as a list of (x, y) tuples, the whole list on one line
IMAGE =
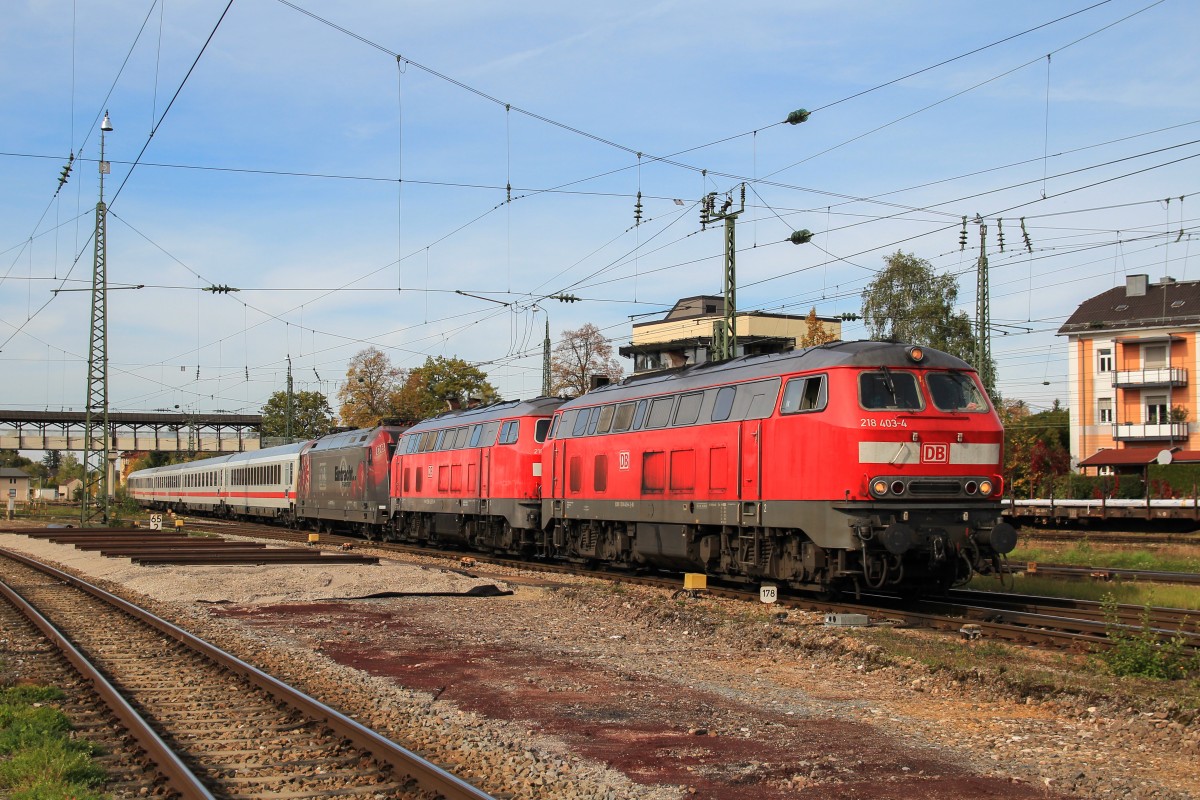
[(96, 419)]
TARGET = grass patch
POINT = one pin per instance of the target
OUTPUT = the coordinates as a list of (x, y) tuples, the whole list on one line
[(1160, 558), (38, 758), (1138, 593)]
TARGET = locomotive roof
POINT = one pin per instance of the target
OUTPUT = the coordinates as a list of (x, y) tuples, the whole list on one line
[(353, 437), (538, 406), (862, 353)]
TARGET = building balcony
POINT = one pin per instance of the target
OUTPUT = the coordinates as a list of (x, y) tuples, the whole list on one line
[(1175, 431), (1149, 377)]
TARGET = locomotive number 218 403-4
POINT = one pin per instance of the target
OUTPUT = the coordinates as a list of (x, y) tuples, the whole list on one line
[(871, 422)]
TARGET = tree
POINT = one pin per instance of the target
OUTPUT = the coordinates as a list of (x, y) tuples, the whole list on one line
[(371, 381), (311, 415), (815, 332), (582, 353), (438, 384), (1036, 447), (907, 302), (13, 458)]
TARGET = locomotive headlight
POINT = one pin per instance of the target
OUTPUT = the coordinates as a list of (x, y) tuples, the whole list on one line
[(897, 487), (985, 487), (971, 487), (917, 354), (879, 487)]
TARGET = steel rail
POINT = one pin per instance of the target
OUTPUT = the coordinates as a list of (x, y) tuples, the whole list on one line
[(178, 775), (427, 774)]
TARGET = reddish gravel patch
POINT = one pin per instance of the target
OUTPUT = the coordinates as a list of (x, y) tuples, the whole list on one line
[(652, 729)]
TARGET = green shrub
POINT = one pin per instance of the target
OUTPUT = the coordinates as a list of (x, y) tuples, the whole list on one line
[(1140, 651)]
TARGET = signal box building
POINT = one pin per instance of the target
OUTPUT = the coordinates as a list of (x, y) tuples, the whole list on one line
[(1133, 362), (685, 335)]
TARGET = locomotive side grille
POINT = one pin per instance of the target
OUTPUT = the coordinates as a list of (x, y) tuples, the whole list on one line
[(935, 488)]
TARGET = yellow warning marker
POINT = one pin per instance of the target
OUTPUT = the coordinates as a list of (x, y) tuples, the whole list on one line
[(695, 581), (313, 538), (179, 523)]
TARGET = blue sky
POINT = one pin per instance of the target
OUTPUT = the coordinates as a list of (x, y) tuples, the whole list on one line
[(349, 194)]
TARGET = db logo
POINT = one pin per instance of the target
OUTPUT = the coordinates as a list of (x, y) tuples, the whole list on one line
[(935, 453)]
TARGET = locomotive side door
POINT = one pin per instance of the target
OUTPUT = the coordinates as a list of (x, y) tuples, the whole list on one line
[(750, 470)]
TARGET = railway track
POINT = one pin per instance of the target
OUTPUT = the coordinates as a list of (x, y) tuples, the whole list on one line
[(1071, 624), (212, 725)]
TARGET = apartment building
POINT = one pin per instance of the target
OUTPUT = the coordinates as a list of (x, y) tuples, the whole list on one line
[(1132, 366)]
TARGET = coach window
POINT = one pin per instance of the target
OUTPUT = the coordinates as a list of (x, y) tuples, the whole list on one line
[(660, 412), (689, 408), (540, 429), (604, 425), (804, 394), (581, 420), (593, 419), (724, 403), (639, 414), (624, 417)]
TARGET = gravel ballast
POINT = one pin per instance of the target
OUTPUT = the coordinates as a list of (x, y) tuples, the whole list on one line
[(580, 689)]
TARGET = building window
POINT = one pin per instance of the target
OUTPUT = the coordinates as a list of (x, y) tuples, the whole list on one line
[(1156, 410), (1105, 360), (1154, 356), (1104, 410)]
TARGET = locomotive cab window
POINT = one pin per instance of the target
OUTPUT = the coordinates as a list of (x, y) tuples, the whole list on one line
[(660, 412), (541, 429), (689, 408), (581, 419), (888, 389), (955, 391), (723, 405), (606, 418), (639, 413), (804, 394)]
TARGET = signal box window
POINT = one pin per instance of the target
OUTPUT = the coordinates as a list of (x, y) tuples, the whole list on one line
[(804, 394), (955, 391), (889, 390)]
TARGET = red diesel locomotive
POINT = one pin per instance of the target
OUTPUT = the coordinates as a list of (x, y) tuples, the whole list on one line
[(848, 466), (473, 478)]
